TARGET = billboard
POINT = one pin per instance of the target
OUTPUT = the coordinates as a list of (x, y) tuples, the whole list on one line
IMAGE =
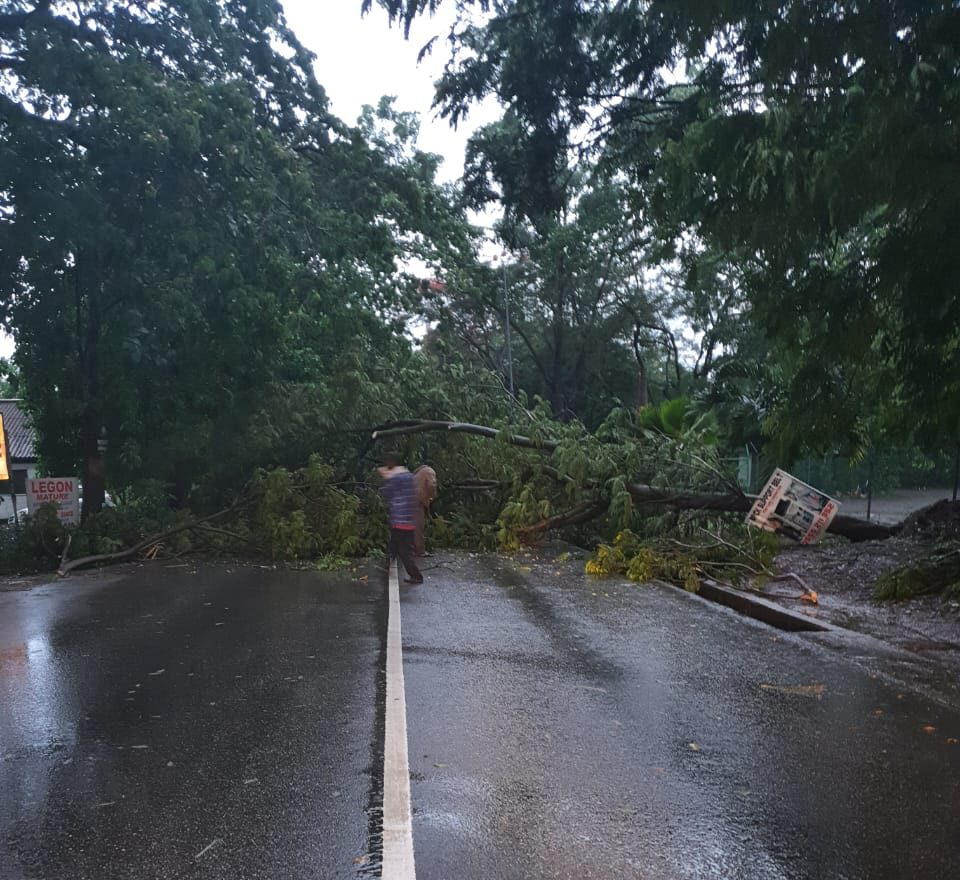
[(790, 507), (64, 492)]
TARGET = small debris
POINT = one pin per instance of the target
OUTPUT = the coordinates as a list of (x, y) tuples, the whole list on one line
[(157, 672), (207, 848), (802, 690)]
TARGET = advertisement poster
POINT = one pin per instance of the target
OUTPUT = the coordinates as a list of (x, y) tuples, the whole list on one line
[(62, 491), (790, 507)]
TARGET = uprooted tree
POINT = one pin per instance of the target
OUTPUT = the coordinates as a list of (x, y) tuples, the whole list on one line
[(652, 500), (623, 471)]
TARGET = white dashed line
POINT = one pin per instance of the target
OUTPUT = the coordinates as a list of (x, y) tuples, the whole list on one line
[(398, 863)]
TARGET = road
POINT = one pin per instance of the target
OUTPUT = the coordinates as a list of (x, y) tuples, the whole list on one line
[(893, 507), (221, 723)]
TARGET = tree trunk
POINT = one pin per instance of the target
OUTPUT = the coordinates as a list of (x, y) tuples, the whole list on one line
[(846, 526), (734, 502), (643, 385), (94, 477)]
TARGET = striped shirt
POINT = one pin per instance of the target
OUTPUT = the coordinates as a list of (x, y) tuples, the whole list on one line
[(401, 496)]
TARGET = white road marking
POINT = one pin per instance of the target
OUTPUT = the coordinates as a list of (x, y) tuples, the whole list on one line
[(398, 863)]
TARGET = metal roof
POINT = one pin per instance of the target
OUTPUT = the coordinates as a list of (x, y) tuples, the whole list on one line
[(20, 436)]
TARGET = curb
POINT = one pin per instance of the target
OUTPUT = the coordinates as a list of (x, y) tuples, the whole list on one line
[(897, 665), (762, 609)]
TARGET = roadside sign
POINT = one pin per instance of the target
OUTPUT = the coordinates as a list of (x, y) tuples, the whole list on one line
[(64, 492), (4, 464), (790, 507)]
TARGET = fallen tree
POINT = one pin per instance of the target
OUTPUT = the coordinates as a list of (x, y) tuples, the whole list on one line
[(68, 565), (597, 504)]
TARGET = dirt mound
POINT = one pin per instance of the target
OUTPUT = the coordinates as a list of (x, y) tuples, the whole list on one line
[(939, 519)]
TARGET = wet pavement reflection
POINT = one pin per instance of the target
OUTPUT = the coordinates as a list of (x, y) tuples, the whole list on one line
[(591, 729), (227, 723), (219, 723)]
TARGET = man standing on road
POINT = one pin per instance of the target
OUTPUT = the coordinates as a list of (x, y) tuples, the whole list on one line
[(401, 496), (425, 479)]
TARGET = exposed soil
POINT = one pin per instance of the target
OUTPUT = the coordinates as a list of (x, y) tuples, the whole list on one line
[(844, 575)]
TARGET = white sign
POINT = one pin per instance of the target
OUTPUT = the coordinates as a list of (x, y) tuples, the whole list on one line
[(64, 492), (790, 507)]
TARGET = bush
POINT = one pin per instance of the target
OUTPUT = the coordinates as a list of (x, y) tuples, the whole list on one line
[(34, 545), (937, 572), (303, 514)]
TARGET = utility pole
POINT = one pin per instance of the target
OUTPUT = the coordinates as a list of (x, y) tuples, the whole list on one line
[(506, 311)]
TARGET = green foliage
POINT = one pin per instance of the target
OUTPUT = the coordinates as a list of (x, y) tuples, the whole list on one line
[(34, 545), (38, 542), (588, 331), (302, 515), (194, 254), (733, 554), (678, 419), (802, 170), (937, 572)]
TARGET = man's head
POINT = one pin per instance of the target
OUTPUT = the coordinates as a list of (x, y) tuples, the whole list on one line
[(391, 460)]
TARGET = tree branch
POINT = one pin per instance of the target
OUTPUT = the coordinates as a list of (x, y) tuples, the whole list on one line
[(849, 527), (582, 513)]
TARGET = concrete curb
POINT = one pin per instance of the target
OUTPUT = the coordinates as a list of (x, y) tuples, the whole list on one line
[(898, 665), (761, 609)]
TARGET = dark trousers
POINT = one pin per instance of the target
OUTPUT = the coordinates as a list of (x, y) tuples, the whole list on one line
[(401, 547)]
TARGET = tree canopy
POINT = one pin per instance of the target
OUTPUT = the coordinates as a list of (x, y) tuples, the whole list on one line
[(720, 224), (186, 233), (813, 145)]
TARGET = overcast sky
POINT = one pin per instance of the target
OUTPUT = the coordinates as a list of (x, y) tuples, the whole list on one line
[(360, 59)]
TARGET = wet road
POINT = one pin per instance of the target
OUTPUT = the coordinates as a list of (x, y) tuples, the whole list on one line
[(176, 725), (563, 728), (229, 724)]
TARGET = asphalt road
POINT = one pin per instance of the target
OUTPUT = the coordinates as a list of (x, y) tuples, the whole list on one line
[(222, 724), (566, 728), (219, 724)]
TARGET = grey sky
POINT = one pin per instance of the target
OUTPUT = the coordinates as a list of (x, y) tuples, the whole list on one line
[(359, 59)]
